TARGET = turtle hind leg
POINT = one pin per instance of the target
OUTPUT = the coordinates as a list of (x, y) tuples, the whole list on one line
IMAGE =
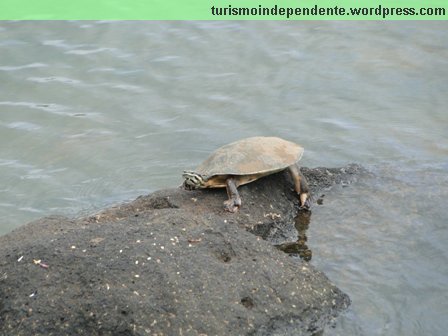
[(234, 201), (301, 186)]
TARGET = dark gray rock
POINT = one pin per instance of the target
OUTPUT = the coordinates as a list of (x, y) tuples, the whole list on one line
[(170, 263)]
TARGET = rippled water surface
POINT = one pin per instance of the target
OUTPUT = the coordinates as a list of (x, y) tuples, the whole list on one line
[(95, 113)]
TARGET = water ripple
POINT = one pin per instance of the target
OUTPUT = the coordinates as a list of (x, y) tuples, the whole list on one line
[(78, 83), (84, 49), (167, 58), (339, 123), (127, 87), (61, 44), (23, 125), (30, 209), (21, 67), (87, 51), (220, 75), (64, 80), (116, 71), (35, 174), (14, 164), (52, 108), (115, 52)]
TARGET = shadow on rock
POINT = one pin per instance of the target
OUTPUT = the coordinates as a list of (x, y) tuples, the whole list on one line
[(299, 247)]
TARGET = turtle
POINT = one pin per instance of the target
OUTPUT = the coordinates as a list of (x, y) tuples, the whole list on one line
[(247, 160)]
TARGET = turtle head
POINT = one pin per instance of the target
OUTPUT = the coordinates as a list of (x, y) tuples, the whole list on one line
[(193, 180)]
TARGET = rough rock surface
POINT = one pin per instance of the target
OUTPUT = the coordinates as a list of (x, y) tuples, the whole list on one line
[(170, 263)]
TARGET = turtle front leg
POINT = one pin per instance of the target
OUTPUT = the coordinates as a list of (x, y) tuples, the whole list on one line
[(301, 186), (234, 201)]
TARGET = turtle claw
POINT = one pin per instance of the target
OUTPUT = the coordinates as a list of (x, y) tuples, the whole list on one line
[(305, 207), (231, 206), (305, 203)]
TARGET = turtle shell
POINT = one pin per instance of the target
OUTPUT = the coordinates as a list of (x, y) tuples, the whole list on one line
[(251, 156)]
